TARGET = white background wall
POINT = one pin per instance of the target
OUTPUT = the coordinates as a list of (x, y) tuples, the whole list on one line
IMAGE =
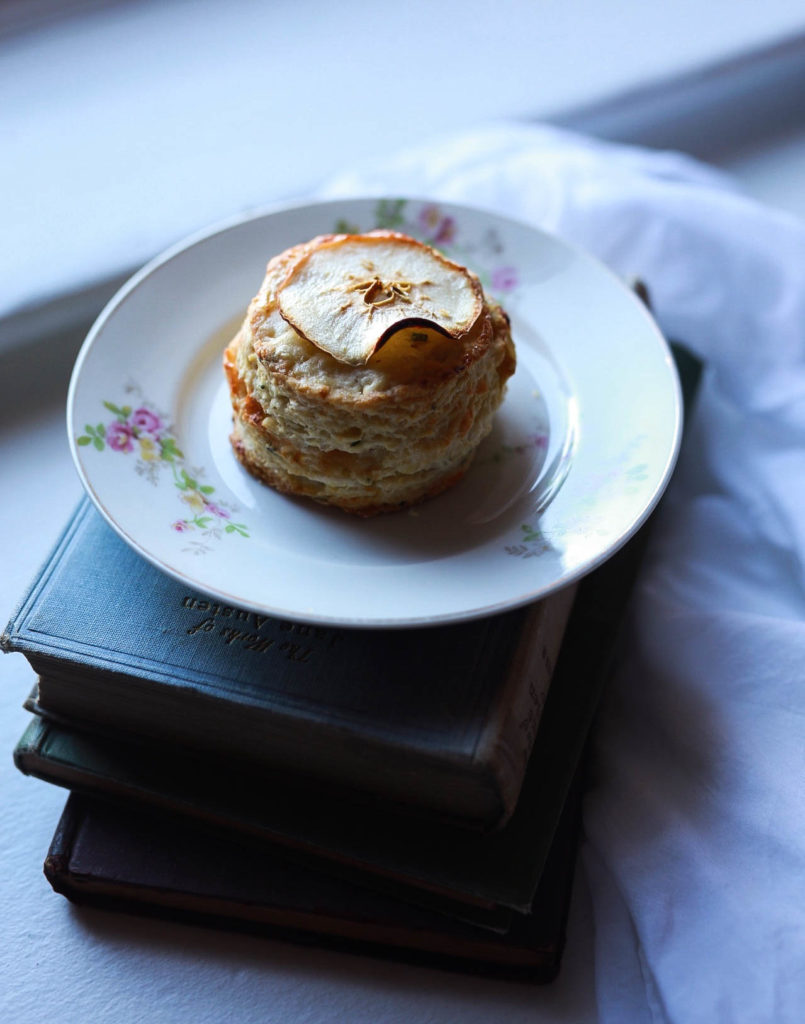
[(125, 126)]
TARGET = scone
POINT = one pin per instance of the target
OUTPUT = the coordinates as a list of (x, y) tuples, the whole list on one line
[(366, 373)]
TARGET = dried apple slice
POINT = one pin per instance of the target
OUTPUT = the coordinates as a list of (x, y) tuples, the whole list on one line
[(347, 294)]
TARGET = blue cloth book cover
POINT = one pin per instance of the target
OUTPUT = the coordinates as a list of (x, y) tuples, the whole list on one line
[(441, 718)]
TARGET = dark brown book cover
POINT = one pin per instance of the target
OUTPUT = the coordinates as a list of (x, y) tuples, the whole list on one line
[(136, 859)]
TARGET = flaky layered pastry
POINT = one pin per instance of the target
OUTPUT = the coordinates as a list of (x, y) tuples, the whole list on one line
[(366, 373)]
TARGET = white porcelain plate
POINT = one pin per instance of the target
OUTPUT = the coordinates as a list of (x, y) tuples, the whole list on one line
[(581, 451)]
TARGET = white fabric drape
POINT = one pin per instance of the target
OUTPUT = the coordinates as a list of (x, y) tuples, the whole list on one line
[(695, 823)]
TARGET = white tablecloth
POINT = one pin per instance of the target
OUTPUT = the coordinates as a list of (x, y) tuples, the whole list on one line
[(695, 826)]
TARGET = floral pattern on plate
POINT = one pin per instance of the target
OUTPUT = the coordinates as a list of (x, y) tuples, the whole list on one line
[(142, 432)]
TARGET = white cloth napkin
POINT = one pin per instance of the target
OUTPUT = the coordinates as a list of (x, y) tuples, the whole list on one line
[(695, 825)]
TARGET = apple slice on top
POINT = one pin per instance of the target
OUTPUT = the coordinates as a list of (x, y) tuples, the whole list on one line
[(347, 294)]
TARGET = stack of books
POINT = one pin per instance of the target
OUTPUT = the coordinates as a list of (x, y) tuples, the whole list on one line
[(411, 793)]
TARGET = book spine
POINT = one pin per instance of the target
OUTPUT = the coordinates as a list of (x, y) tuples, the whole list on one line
[(29, 746), (509, 736), (57, 862)]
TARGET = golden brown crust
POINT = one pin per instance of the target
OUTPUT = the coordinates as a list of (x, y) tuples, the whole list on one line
[(367, 439), (299, 487)]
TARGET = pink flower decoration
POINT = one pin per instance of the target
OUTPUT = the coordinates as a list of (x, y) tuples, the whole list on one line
[(146, 420), (504, 279), (446, 231), (538, 441), (429, 217), (216, 510), (181, 526), (439, 229), (119, 436)]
